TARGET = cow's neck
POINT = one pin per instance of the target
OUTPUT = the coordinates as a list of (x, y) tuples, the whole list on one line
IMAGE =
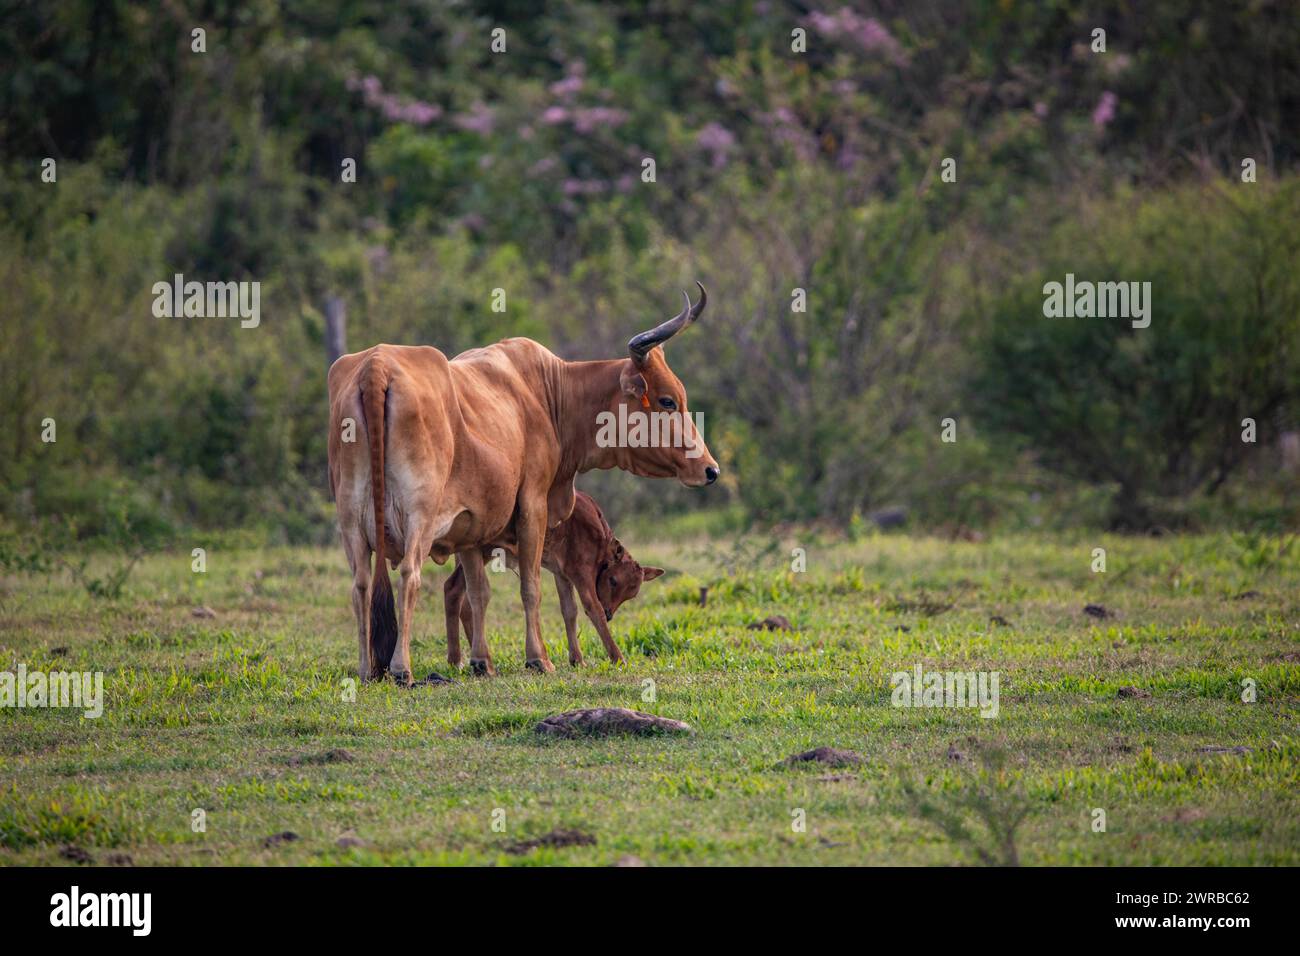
[(579, 392)]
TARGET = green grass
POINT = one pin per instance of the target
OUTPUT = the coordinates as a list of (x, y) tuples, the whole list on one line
[(242, 715)]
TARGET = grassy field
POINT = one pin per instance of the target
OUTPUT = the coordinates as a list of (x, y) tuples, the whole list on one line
[(246, 715)]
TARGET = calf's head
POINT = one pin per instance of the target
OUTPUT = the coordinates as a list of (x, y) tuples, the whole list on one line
[(662, 438), (619, 577)]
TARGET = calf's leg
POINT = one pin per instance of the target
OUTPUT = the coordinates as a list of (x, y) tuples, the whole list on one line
[(596, 613), (454, 607), (569, 608)]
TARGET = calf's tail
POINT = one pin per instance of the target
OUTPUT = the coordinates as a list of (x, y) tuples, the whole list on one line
[(383, 611)]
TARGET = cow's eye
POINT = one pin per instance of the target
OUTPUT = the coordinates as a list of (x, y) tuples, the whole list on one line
[(613, 581), (668, 403)]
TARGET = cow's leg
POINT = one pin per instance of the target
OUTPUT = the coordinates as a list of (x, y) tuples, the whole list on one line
[(455, 607), (358, 551), (418, 543), (569, 608), (531, 528), (596, 613), (478, 590)]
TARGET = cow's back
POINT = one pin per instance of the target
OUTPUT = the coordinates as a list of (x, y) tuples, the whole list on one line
[(459, 437)]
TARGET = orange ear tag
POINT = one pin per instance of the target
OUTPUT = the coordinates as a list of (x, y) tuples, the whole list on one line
[(645, 401)]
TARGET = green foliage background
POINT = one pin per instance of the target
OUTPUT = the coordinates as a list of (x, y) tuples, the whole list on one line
[(775, 171)]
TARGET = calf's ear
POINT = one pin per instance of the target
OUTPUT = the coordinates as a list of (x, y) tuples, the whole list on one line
[(649, 574), (632, 382)]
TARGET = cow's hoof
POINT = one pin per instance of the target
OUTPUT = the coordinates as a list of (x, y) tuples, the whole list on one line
[(482, 668), (575, 661), (540, 664), (402, 678), (618, 661)]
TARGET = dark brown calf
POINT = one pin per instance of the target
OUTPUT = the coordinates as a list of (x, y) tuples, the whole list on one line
[(584, 555)]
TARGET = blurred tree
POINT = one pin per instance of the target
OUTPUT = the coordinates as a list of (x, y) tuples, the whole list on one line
[(1155, 412)]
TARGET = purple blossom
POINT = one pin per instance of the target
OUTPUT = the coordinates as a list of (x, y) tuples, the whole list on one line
[(543, 166), (471, 222), (585, 187), (480, 119), (587, 120), (415, 112), (1104, 112), (716, 140), (393, 107), (867, 32), (784, 127), (567, 88)]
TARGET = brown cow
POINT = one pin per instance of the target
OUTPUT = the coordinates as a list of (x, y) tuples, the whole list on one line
[(583, 555), (430, 457)]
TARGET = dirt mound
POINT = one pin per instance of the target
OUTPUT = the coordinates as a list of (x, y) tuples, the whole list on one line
[(556, 838), (609, 722), (777, 622), (826, 756)]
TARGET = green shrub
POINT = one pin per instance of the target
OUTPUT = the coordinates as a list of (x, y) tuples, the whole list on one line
[(1155, 413)]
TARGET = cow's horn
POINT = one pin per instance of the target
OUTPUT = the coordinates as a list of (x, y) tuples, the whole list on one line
[(640, 345)]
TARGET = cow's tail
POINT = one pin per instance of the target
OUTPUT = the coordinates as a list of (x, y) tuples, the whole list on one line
[(383, 612)]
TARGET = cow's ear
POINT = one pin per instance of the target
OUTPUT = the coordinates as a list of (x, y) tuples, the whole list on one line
[(649, 574), (632, 382)]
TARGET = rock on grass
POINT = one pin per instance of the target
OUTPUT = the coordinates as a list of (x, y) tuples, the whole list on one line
[(433, 679), (826, 756), (279, 839), (1135, 692), (556, 838), (337, 755), (609, 722), (777, 622), (76, 853)]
